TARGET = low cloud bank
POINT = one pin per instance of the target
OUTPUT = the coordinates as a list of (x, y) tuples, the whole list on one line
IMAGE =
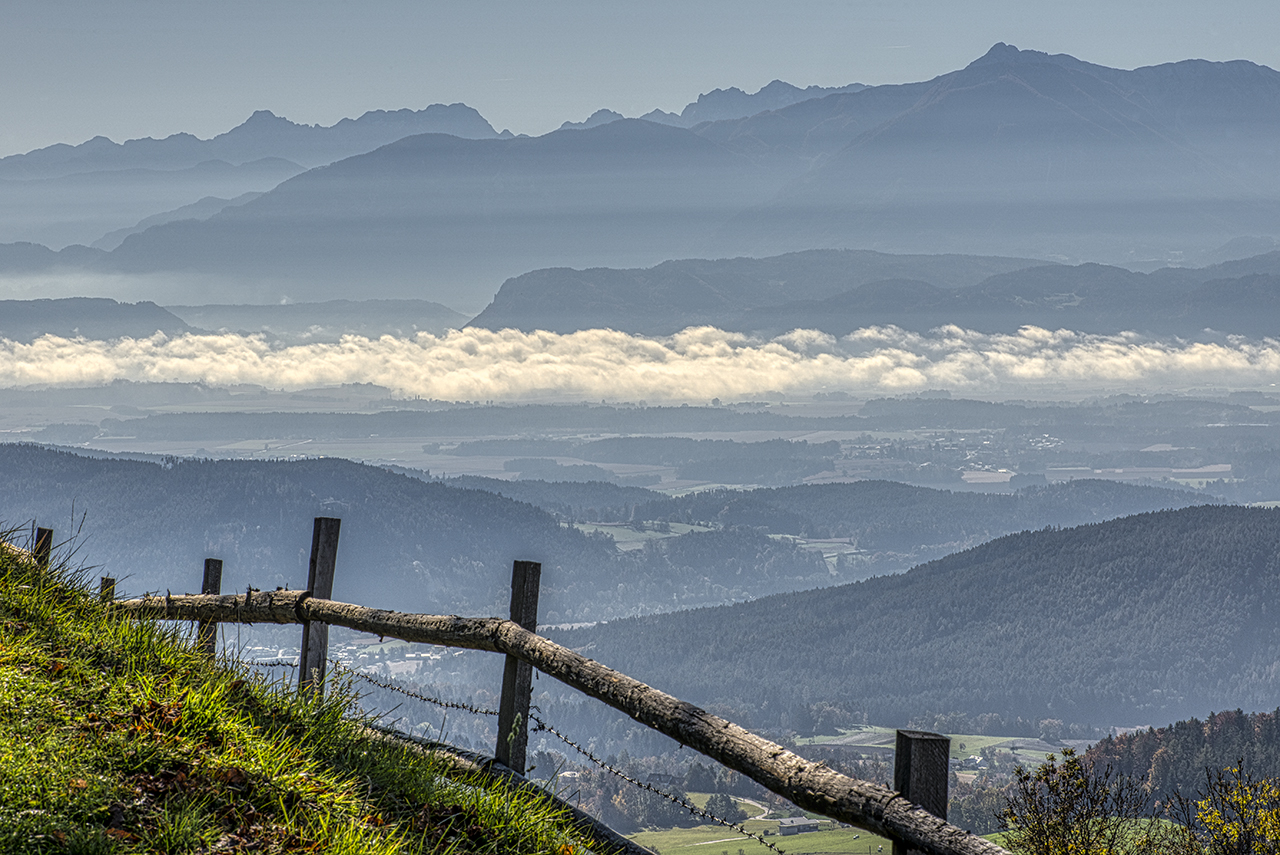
[(697, 364)]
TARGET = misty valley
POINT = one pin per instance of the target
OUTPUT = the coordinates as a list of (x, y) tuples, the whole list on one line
[(945, 406)]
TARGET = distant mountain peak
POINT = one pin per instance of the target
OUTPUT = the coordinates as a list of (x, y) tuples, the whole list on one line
[(265, 117), (1001, 52), (599, 117), (734, 103)]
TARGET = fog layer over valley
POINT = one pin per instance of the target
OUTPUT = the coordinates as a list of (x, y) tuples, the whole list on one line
[(696, 364)]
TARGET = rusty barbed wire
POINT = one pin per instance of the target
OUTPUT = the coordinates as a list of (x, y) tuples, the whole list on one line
[(540, 725), (455, 705)]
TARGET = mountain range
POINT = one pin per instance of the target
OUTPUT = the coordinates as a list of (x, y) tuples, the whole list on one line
[(104, 319), (838, 291), (1020, 153), (66, 194), (263, 134)]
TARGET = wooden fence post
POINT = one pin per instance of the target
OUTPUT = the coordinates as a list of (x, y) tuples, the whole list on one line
[(107, 588), (207, 630), (43, 547), (517, 676), (315, 636), (921, 766)]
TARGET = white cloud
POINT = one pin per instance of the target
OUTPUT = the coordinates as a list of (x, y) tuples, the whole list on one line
[(697, 364)]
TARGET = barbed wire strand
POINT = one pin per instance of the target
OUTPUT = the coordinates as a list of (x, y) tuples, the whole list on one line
[(453, 705), (540, 725)]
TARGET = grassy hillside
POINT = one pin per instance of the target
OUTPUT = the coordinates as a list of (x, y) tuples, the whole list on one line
[(116, 737), (1142, 619)]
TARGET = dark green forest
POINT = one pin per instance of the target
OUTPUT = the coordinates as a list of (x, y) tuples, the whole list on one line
[(1153, 616)]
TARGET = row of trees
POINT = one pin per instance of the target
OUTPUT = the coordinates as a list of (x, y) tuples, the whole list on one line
[(1071, 806)]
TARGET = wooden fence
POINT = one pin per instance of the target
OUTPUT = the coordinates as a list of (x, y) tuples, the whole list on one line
[(913, 814)]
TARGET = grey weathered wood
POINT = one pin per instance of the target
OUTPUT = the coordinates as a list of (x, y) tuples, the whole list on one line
[(808, 784), (43, 547), (315, 636), (920, 773), (517, 675), (207, 630), (106, 588), (250, 607)]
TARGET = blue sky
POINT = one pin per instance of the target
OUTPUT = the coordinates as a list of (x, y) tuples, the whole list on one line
[(72, 69)]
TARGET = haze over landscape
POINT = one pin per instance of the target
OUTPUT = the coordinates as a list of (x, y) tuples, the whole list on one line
[(846, 369)]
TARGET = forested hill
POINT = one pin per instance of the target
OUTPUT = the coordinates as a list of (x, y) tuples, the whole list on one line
[(877, 527), (881, 515), (407, 543), (1154, 616), (1174, 758)]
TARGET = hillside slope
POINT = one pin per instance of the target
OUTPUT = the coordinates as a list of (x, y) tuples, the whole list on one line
[(1149, 617), (412, 544), (118, 736)]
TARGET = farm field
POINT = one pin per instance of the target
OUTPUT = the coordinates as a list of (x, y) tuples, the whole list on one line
[(1025, 749), (628, 537), (716, 840)]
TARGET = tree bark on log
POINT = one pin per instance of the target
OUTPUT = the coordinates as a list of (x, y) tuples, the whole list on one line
[(812, 786)]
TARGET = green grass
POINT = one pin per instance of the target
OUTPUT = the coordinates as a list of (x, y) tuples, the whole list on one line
[(116, 736), (962, 744), (700, 800), (627, 537)]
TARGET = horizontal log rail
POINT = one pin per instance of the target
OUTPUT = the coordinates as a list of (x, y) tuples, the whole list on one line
[(812, 786)]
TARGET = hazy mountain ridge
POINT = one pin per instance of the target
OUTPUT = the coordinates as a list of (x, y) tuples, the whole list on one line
[(1018, 154), (83, 207), (1024, 152), (677, 294), (90, 317), (733, 103), (101, 318), (463, 211), (263, 134), (841, 291), (201, 209)]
